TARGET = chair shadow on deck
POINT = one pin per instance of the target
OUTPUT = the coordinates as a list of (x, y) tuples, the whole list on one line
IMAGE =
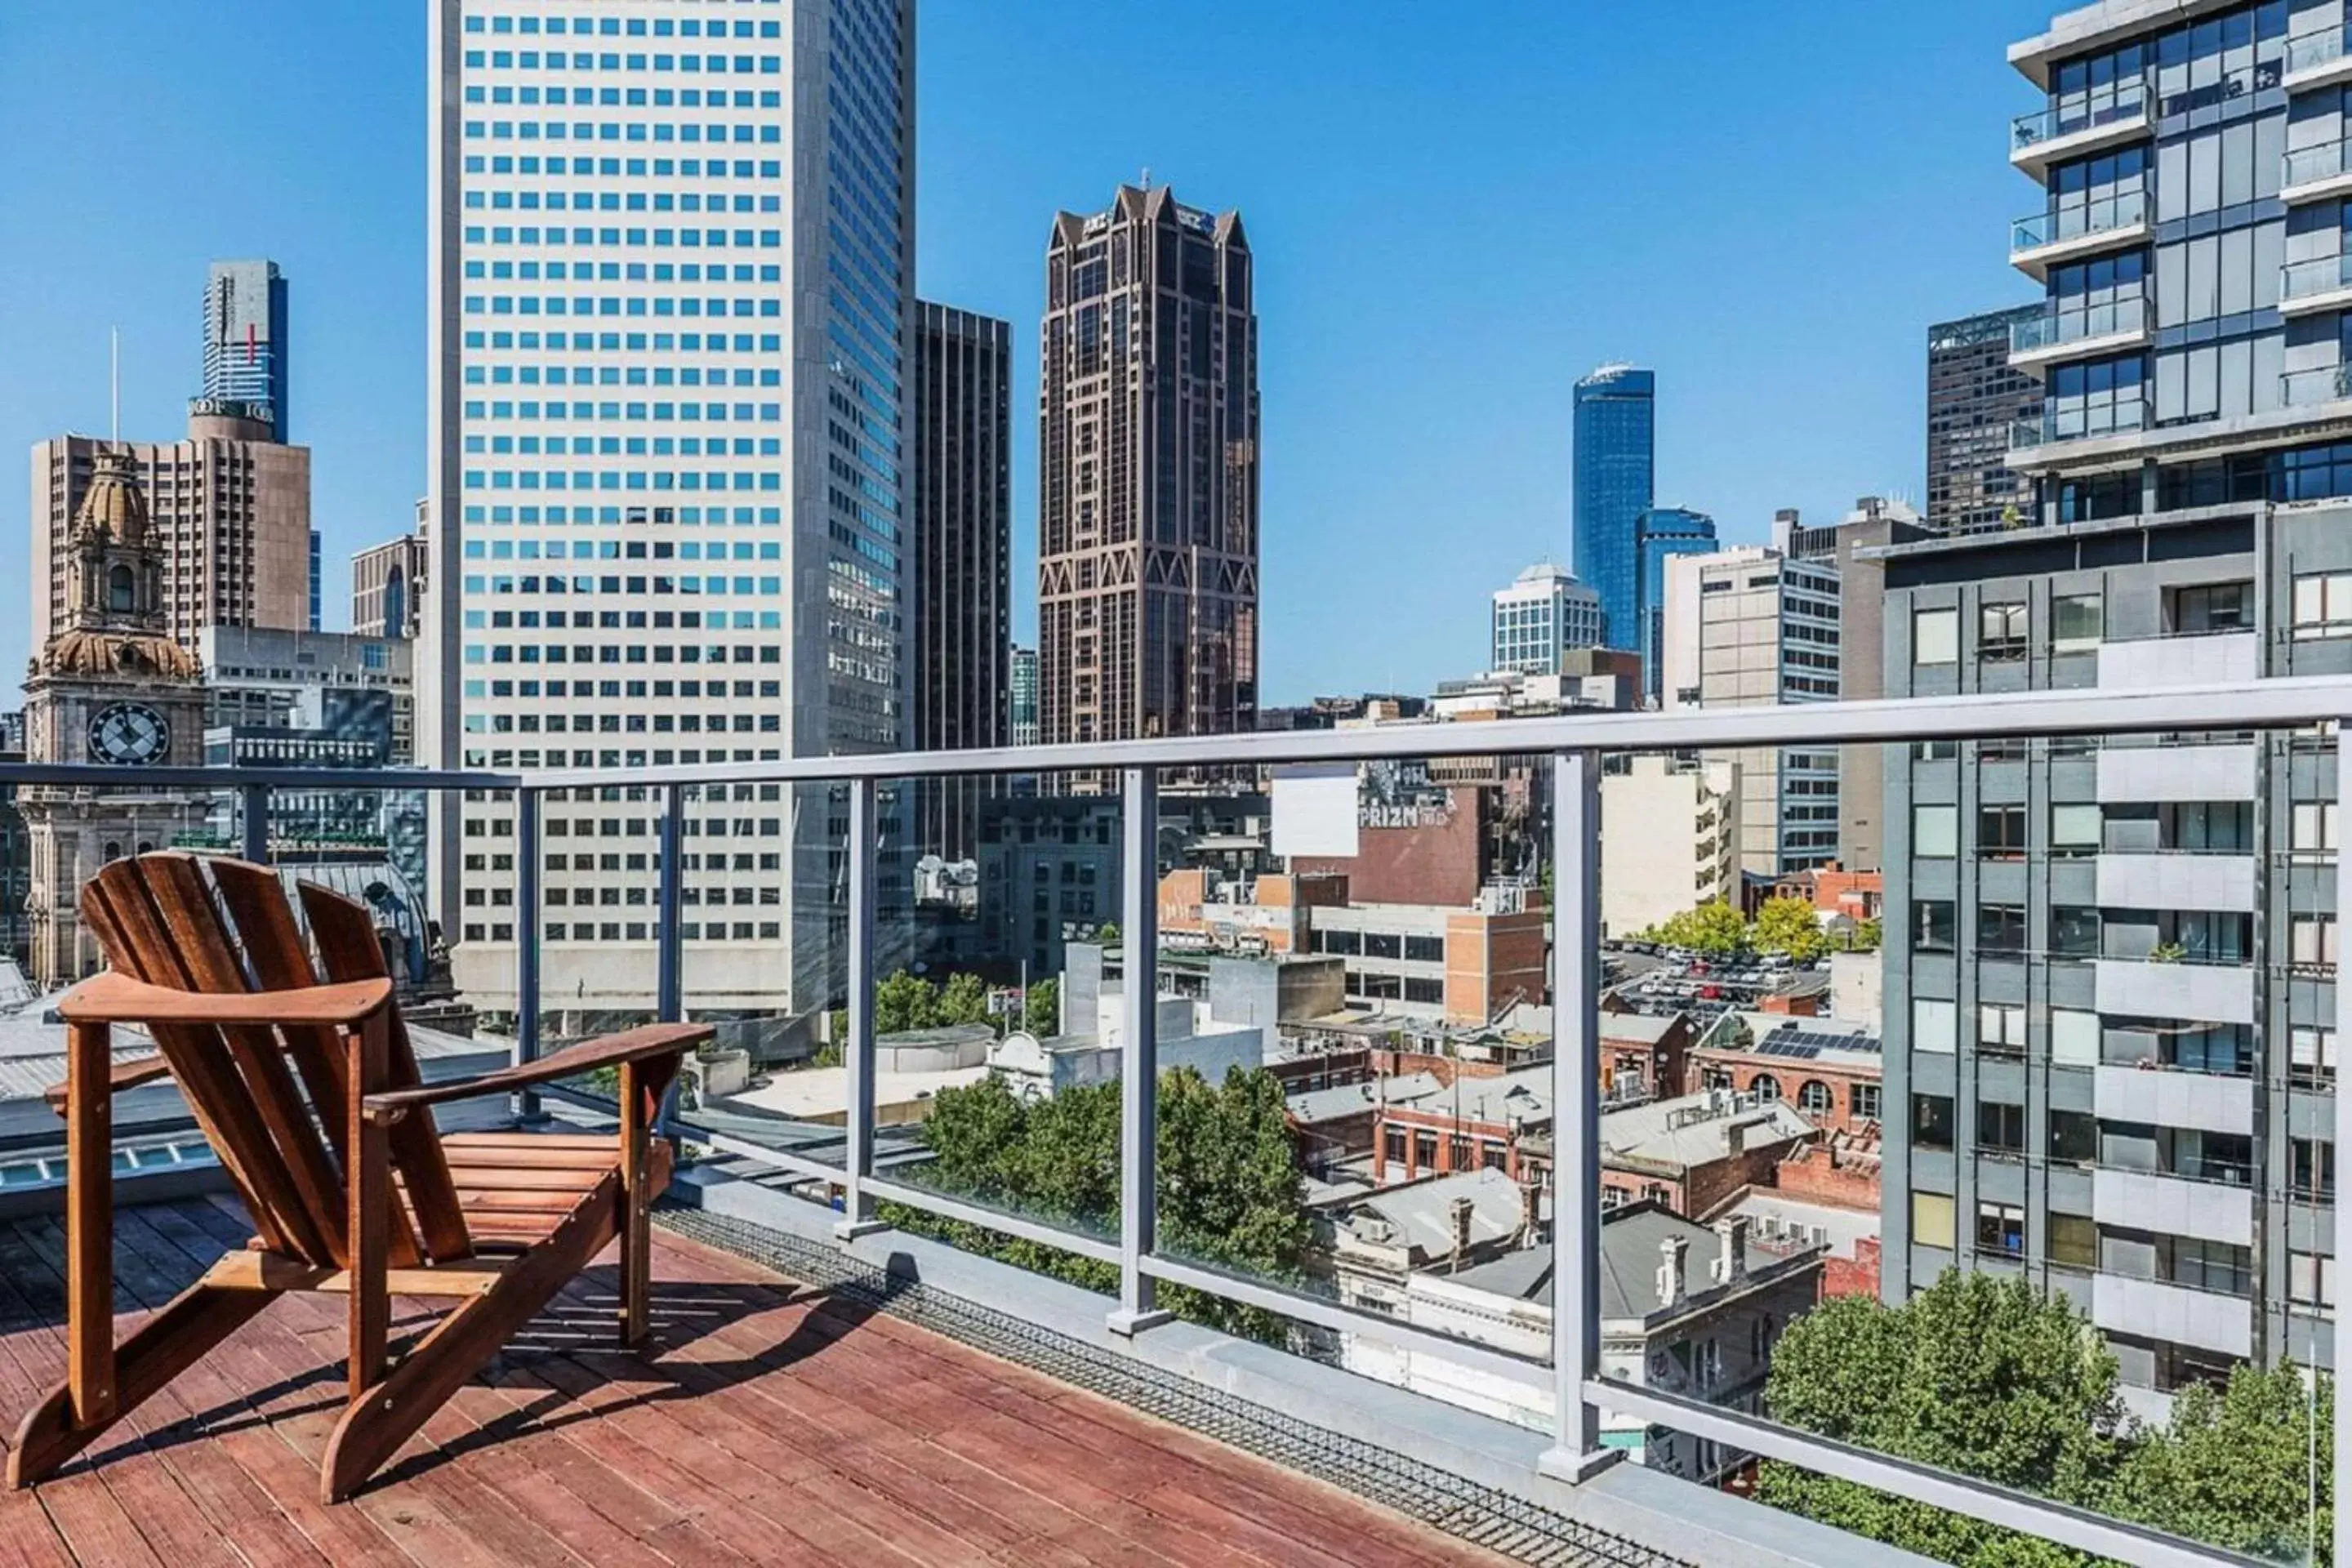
[(566, 1361)]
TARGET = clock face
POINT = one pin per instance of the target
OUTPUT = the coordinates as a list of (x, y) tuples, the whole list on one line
[(128, 735)]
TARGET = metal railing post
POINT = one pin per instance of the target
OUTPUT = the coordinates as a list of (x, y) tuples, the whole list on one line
[(669, 946), (1138, 1074), (1576, 1453), (2342, 1248), (253, 831), (858, 1051), (525, 1105)]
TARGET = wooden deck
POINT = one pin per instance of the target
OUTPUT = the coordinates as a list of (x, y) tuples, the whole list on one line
[(764, 1425)]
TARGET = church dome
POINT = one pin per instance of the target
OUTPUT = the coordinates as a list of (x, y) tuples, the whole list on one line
[(113, 506), (143, 655)]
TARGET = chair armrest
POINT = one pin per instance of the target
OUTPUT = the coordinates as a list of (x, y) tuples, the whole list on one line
[(126, 1075), (115, 998), (652, 1041)]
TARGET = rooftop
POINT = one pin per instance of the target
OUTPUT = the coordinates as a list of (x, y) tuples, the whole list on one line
[(1419, 1216), (1696, 1129), (1310, 1106), (768, 1422)]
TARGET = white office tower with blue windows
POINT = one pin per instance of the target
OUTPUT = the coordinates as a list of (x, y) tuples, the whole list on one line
[(672, 252)]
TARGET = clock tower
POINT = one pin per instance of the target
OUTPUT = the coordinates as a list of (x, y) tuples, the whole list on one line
[(110, 687)]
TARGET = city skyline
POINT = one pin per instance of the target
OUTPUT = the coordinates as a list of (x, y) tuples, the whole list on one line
[(1490, 441)]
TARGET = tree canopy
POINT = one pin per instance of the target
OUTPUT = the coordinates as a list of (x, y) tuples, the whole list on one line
[(1227, 1180), (1041, 1010), (1995, 1379), (1715, 928), (1789, 924)]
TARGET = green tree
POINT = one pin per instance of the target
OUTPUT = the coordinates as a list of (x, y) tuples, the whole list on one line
[(1106, 933), (1981, 1375), (904, 1002), (1041, 1010), (1713, 928), (965, 1000), (2232, 1466), (1870, 935), (1227, 1180), (1789, 924)]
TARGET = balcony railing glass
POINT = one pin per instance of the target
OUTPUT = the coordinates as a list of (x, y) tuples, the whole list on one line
[(1060, 1128), (2308, 165), (2078, 324), (2323, 384), (2128, 103), (2123, 210), (2319, 275), (2309, 51)]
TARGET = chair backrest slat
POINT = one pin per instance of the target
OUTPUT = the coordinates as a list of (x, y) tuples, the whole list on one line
[(117, 908), (348, 949), (272, 944)]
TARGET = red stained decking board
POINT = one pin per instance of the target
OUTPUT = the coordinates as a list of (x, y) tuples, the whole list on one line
[(765, 1425)]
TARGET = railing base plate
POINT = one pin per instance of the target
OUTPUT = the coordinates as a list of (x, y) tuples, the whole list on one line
[(1568, 1465), (1126, 1324)]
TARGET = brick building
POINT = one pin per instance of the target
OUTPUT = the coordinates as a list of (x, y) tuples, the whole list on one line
[(1831, 1070)]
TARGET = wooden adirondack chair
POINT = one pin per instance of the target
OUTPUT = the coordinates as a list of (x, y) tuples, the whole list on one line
[(305, 1083)]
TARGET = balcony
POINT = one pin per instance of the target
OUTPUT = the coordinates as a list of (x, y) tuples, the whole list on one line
[(773, 1420), (2174, 880), (2314, 175), (2189, 658), (2312, 287), (2173, 1205), (2312, 388), (692, 1442), (2077, 333), (2145, 988), (2039, 241), (2154, 1310), (2171, 774), (2316, 60), (2159, 1097), (2051, 439), (2065, 131)]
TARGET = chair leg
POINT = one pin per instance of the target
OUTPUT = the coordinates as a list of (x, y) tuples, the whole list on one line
[(376, 1423), (638, 1101), (165, 1345)]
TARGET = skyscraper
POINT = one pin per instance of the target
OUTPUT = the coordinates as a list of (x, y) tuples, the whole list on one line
[(1615, 481), (1148, 513), (1974, 398), (1660, 534), (245, 339), (388, 584), (670, 320), (963, 554), (1021, 702), (2110, 966)]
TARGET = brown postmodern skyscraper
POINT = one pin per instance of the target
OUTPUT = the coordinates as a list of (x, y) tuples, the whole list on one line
[(1147, 572)]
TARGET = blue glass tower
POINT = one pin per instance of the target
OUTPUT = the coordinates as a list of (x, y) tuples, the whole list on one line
[(1660, 534), (1616, 458)]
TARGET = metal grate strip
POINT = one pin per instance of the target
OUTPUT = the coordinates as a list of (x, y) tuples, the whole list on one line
[(1482, 1515)]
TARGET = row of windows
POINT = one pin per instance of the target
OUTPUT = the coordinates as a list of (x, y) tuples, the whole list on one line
[(609, 516), (616, 550), (616, 98), (581, 480), (581, 61), (612, 26), (614, 271), (659, 759), (633, 653), (612, 168), (635, 342), (631, 130), (619, 304)]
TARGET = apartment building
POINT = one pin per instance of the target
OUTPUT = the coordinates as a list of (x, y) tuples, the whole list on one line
[(2109, 970), (389, 584), (1543, 614)]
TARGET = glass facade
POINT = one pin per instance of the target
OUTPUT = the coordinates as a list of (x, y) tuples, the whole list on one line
[(1615, 481), (1662, 533)]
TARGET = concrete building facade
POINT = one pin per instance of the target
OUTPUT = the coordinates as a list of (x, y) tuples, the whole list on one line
[(1538, 618), (1749, 627), (670, 340), (390, 583), (1147, 513), (1669, 840), (230, 510)]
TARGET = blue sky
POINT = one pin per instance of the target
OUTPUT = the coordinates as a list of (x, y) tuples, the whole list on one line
[(1456, 212)]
